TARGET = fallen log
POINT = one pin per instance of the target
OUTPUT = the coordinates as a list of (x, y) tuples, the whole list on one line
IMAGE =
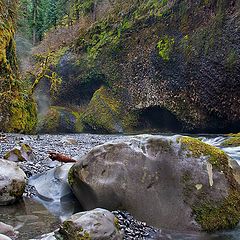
[(60, 157)]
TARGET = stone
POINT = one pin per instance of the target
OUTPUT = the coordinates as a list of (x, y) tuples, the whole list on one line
[(4, 237), (6, 229), (52, 189), (20, 153), (169, 182), (98, 224), (12, 182)]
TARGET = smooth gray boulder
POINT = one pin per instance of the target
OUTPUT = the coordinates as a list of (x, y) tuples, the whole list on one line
[(54, 192), (171, 182), (12, 182), (6, 229), (4, 237), (98, 224)]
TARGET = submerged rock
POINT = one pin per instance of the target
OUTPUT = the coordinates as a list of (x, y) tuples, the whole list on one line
[(49, 236), (12, 182), (170, 182), (98, 224)]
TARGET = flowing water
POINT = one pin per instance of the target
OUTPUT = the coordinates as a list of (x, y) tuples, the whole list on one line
[(34, 217)]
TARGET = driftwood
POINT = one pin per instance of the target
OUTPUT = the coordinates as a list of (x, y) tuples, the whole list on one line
[(60, 157)]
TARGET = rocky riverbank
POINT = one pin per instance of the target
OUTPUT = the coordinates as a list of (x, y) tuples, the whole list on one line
[(74, 146)]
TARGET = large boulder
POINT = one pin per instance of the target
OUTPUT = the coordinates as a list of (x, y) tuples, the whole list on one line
[(53, 191), (106, 114), (4, 237), (12, 182), (172, 182), (98, 224)]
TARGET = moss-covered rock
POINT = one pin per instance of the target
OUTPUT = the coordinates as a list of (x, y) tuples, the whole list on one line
[(23, 115), (97, 224), (106, 113), (60, 120), (232, 141), (20, 153), (13, 181), (221, 213), (193, 179)]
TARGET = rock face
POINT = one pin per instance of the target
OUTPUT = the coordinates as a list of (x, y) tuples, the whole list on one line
[(161, 59), (12, 182), (98, 224), (171, 182), (17, 110)]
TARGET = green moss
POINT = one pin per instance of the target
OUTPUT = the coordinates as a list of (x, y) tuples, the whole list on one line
[(234, 134), (60, 119), (16, 152), (71, 176), (26, 148), (58, 55), (22, 115), (231, 59), (165, 47), (188, 186), (102, 113), (231, 142), (213, 216), (78, 125), (70, 232), (198, 149), (106, 113), (50, 122), (17, 189)]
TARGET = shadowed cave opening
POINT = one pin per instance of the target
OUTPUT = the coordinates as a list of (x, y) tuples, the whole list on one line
[(157, 119)]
